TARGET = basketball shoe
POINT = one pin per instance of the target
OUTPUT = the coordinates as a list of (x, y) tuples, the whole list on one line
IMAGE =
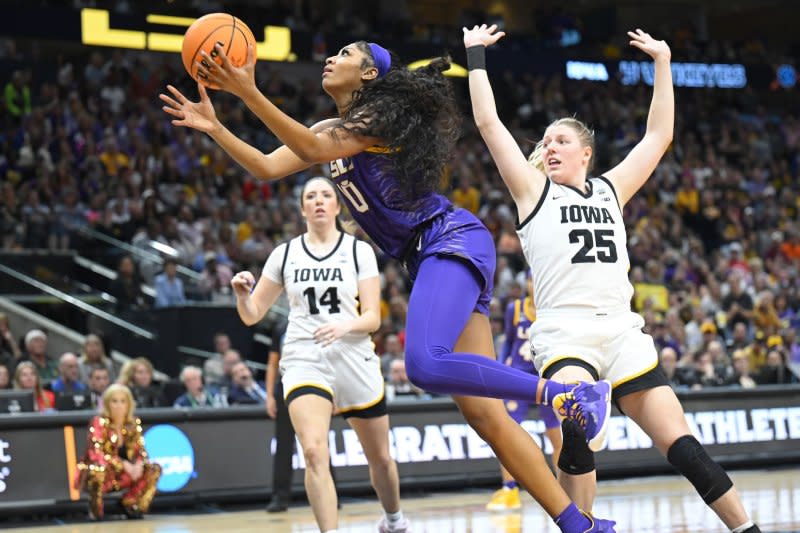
[(590, 405), (599, 525), (401, 526), (504, 499)]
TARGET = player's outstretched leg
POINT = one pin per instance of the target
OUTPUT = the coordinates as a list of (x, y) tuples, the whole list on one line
[(432, 325)]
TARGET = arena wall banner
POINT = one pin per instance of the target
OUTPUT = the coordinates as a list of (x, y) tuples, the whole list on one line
[(211, 454), (161, 31), (32, 466)]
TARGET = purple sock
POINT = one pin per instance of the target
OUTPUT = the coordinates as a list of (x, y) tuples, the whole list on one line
[(510, 484), (571, 520), (553, 389)]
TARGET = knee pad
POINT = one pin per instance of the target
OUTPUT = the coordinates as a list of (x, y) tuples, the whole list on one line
[(692, 460), (576, 458)]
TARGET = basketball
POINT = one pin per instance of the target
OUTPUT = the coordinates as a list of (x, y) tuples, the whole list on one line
[(205, 32)]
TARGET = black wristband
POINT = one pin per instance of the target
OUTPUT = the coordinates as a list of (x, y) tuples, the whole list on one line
[(476, 57)]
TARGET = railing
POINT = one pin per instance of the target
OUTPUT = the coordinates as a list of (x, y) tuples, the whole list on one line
[(54, 329), (205, 354), (77, 302), (138, 252), (108, 273)]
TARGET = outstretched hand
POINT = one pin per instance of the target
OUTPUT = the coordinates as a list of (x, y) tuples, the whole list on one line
[(224, 75), (482, 35), (198, 115), (644, 42)]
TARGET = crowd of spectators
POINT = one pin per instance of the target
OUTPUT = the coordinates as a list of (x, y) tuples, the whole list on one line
[(225, 379), (714, 235)]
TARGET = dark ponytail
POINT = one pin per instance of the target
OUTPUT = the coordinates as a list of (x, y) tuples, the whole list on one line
[(416, 115)]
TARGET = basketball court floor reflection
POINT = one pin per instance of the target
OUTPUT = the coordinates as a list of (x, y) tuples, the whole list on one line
[(640, 505)]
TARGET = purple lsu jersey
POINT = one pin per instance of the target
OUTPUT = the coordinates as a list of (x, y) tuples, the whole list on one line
[(386, 212), (411, 229), (516, 351)]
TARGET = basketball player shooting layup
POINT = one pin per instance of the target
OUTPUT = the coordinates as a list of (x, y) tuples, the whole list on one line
[(387, 149), (573, 237)]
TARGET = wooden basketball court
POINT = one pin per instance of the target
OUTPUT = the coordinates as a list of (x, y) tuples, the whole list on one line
[(640, 505)]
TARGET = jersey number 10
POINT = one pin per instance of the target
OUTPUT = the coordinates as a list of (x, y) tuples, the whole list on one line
[(351, 192), (340, 167), (329, 298)]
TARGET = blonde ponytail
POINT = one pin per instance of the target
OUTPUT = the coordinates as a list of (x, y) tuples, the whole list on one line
[(536, 159)]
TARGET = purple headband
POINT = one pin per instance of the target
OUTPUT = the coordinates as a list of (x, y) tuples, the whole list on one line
[(382, 59)]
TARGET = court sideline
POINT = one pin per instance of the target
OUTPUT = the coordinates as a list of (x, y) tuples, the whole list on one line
[(664, 504)]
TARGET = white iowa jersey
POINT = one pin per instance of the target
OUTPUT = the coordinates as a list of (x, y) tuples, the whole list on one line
[(576, 245), (321, 289)]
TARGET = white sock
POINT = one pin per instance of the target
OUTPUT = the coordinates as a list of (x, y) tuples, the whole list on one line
[(331, 531), (744, 527), (394, 518)]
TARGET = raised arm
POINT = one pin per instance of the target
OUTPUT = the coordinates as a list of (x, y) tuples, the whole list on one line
[(309, 145), (201, 116), (629, 175), (524, 182)]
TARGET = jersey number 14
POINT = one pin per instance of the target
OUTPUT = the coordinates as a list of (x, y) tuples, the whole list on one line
[(329, 298)]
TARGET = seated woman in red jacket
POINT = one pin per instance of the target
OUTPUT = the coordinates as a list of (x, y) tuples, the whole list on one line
[(115, 457), (26, 377)]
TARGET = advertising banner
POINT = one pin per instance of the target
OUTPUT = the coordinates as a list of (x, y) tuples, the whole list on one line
[(228, 451), (32, 466)]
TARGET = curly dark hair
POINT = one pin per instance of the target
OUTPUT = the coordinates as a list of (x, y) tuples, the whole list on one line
[(415, 113)]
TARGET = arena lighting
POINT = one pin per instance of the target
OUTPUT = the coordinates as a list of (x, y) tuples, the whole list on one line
[(787, 76), (165, 249), (722, 75), (96, 30), (583, 70), (455, 70)]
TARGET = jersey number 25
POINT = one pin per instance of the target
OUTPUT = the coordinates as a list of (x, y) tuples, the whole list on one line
[(603, 238)]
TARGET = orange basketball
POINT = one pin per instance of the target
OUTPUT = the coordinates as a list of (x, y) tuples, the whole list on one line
[(205, 32)]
